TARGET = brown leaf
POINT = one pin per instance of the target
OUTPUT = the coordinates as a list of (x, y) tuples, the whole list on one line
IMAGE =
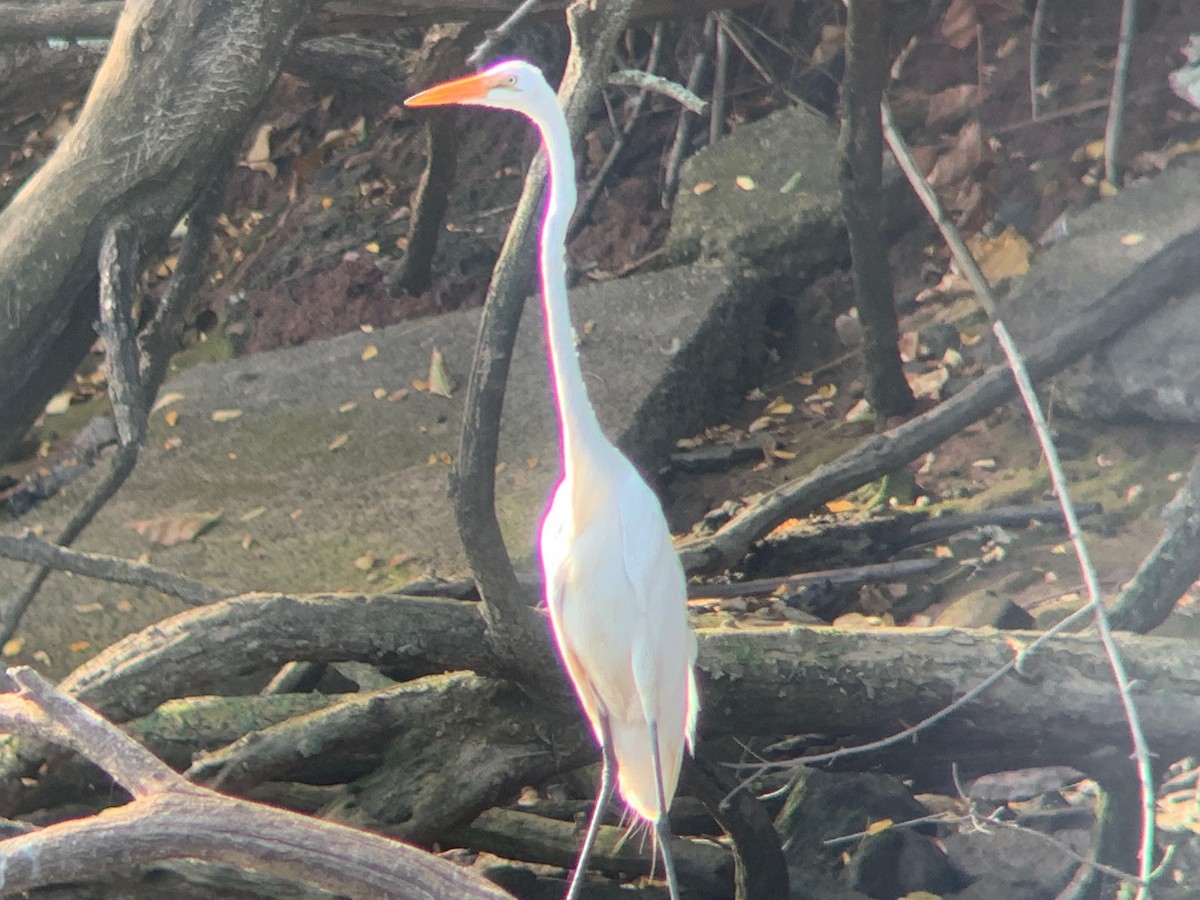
[(959, 24), (952, 103), (167, 531), (961, 159)]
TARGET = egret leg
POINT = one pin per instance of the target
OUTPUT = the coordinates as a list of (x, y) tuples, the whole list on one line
[(662, 826), (608, 769)]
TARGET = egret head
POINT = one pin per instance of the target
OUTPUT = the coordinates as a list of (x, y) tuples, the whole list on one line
[(513, 84)]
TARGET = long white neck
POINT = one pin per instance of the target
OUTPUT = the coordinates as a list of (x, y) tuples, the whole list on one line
[(577, 420)]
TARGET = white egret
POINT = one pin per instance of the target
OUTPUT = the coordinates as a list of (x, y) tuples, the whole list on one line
[(615, 588)]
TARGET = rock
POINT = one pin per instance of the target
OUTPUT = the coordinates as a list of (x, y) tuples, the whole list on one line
[(788, 223), (1153, 369), (983, 609), (824, 805), (1008, 864), (898, 862)]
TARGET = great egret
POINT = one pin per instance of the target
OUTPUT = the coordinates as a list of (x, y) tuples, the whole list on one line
[(615, 588)]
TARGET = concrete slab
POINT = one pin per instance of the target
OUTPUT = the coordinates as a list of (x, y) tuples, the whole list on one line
[(668, 353)]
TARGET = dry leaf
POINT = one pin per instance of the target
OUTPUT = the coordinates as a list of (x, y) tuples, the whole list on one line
[(878, 826), (928, 384), (861, 411), (961, 159), (369, 352), (1132, 239), (167, 531), (441, 383), (258, 159), (702, 187), (166, 400), (759, 424), (372, 247), (226, 415), (79, 646), (779, 407), (252, 514), (14, 646), (959, 24), (366, 562), (340, 441), (397, 395), (173, 443), (952, 103), (1004, 256), (745, 182), (941, 551), (59, 403), (86, 608), (347, 406), (839, 506)]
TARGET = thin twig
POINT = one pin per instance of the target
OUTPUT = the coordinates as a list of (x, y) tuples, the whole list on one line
[(29, 548), (967, 265), (716, 118), (500, 32), (1035, 58), (620, 140), (1116, 106), (683, 129), (650, 82)]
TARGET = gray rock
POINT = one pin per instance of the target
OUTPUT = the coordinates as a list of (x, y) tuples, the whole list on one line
[(1153, 369)]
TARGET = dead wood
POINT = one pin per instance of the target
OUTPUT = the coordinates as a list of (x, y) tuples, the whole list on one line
[(170, 819), (36, 21), (438, 769), (846, 686), (201, 649), (1169, 569), (705, 867), (860, 175), (173, 97), (1175, 267)]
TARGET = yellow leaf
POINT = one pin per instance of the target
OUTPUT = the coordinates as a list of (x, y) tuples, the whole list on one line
[(379, 393), (59, 403), (326, 202), (253, 514), (397, 395), (941, 551), (173, 443), (365, 562), (171, 418), (445, 457), (1132, 239), (759, 424), (839, 506), (779, 407), (372, 247), (14, 646), (166, 400), (78, 646), (880, 825), (805, 378), (369, 352), (702, 187), (1004, 256), (440, 382), (225, 415), (783, 454), (340, 441), (347, 406), (745, 182), (432, 460), (1093, 150), (296, 513)]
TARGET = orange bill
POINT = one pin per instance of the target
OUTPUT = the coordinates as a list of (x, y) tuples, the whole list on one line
[(460, 90)]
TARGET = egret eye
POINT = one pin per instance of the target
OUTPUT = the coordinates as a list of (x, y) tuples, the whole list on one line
[(511, 81)]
